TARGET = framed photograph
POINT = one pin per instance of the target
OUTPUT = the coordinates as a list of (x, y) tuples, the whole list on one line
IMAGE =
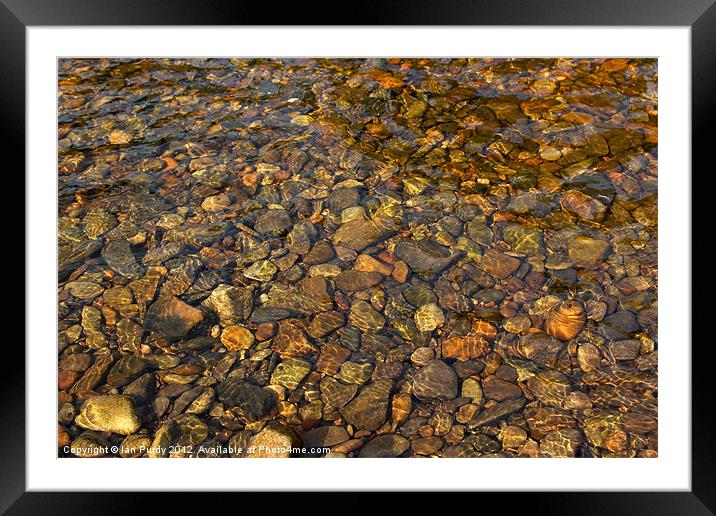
[(421, 252)]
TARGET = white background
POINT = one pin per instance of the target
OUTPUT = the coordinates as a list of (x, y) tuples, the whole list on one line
[(671, 470)]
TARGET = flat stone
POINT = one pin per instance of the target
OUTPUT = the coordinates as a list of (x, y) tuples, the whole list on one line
[(324, 323), (625, 349), (335, 394), (499, 264), (427, 445), (231, 304), (111, 413), (331, 359), (324, 436), (290, 373), (274, 441), (237, 337), (321, 252), (425, 258), (351, 281), (384, 446), (250, 401), (369, 410), (365, 317), (275, 223), (497, 412), (262, 271), (171, 317), (429, 317), (436, 381), (366, 263), (561, 443), (540, 347), (500, 390), (583, 206), (119, 258), (291, 341), (587, 252), (358, 234)]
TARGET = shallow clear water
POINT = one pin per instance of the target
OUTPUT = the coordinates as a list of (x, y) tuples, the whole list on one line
[(380, 257)]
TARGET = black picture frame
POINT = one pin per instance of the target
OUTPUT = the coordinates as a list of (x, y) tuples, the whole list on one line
[(700, 15)]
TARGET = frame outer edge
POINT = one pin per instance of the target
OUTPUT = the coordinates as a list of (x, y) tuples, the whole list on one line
[(12, 134), (703, 418)]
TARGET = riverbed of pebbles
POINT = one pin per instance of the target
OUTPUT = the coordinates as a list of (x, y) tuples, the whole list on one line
[(357, 258)]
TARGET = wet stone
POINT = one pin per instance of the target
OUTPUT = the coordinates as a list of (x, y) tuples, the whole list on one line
[(291, 341), (435, 381), (620, 325), (497, 412), (563, 442), (321, 252), (366, 263), (85, 289), (336, 394), (583, 206), (331, 359), (464, 348), (262, 271), (472, 389), (275, 223), (369, 409), (429, 317), (352, 372), (120, 259), (324, 436), (97, 222), (540, 347), (499, 264), (625, 349), (383, 446), (231, 304), (588, 252), (324, 323), (251, 402), (94, 374), (500, 390), (111, 413), (171, 317), (390, 257), (542, 420), (290, 373), (237, 337), (125, 370), (550, 387), (351, 281), (358, 234), (425, 258), (190, 430), (524, 240), (365, 317)]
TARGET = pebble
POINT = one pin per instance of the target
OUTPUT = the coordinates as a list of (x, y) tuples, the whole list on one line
[(385, 446), (237, 337), (429, 317), (435, 381), (369, 409), (110, 413), (588, 252), (275, 442), (171, 317)]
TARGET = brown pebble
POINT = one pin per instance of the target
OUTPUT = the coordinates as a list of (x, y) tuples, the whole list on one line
[(265, 331), (66, 379), (400, 272), (347, 446)]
